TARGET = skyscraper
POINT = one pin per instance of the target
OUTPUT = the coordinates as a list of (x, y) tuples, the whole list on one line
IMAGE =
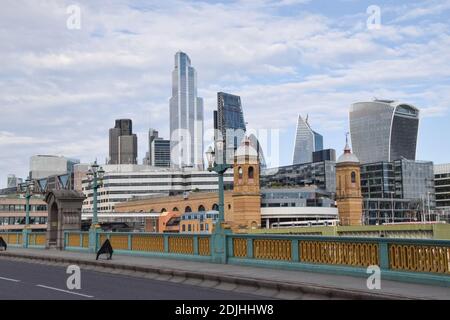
[(186, 116), (384, 130), (152, 135), (229, 121), (307, 141), (122, 143)]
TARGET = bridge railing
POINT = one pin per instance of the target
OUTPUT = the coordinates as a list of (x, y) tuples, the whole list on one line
[(37, 239), (399, 259), (348, 255), (13, 239), (76, 240), (197, 246)]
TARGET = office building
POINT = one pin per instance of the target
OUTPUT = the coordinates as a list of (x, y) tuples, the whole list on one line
[(186, 116), (319, 174), (442, 186), (229, 122), (152, 135), (43, 166), (384, 130), (324, 155), (307, 141), (13, 213), (397, 191), (122, 143)]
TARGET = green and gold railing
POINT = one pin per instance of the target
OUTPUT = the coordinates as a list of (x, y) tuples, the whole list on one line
[(396, 257), (13, 239), (156, 244)]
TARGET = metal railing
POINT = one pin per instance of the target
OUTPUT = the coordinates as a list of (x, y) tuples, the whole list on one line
[(15, 239)]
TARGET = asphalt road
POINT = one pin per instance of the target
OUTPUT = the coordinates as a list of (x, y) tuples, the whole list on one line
[(30, 281)]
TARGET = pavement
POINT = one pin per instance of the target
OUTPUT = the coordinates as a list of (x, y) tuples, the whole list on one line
[(233, 279)]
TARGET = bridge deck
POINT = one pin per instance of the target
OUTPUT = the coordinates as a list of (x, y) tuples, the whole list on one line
[(315, 281)]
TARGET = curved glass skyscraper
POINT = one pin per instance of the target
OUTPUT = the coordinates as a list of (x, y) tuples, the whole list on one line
[(186, 116), (384, 130)]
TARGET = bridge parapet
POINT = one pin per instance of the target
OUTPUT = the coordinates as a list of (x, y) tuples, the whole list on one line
[(416, 260)]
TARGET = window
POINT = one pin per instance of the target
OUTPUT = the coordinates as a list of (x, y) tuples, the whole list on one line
[(175, 209), (188, 209), (251, 173), (240, 173), (183, 228), (215, 207), (353, 177), (201, 208), (189, 228)]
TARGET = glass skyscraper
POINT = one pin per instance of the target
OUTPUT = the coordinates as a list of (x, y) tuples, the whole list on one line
[(229, 121), (307, 141), (384, 130), (186, 116)]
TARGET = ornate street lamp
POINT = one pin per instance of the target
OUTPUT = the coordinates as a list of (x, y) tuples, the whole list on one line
[(215, 163), (27, 189), (95, 177)]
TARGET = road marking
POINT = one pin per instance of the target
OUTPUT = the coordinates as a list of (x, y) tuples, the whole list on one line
[(66, 291), (8, 279)]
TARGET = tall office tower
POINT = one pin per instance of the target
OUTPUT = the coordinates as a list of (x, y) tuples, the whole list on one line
[(152, 135), (186, 116), (122, 143), (229, 121), (307, 141), (384, 130)]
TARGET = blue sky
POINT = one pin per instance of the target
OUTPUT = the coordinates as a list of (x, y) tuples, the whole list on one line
[(62, 89)]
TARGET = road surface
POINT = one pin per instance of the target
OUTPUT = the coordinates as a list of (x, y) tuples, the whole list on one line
[(22, 280)]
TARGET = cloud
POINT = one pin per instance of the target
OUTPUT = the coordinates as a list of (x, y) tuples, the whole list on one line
[(61, 90)]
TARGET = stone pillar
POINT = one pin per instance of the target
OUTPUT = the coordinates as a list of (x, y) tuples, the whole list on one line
[(64, 214)]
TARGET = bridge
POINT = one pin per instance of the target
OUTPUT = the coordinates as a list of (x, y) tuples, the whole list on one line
[(291, 266)]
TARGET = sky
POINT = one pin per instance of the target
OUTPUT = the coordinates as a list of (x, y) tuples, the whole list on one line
[(64, 80)]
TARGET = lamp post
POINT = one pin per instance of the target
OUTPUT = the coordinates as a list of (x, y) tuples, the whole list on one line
[(27, 189), (95, 177), (216, 164)]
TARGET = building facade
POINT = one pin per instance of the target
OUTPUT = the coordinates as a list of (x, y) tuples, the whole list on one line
[(43, 166), (324, 155), (442, 185), (384, 130), (398, 191), (320, 174), (160, 156), (152, 135), (13, 212), (186, 116), (307, 141), (122, 143), (12, 181), (229, 122), (125, 182)]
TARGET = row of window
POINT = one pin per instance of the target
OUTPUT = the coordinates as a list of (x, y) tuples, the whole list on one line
[(21, 207), (195, 227), (5, 221)]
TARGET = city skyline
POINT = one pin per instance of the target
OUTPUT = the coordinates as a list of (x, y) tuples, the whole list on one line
[(88, 78)]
